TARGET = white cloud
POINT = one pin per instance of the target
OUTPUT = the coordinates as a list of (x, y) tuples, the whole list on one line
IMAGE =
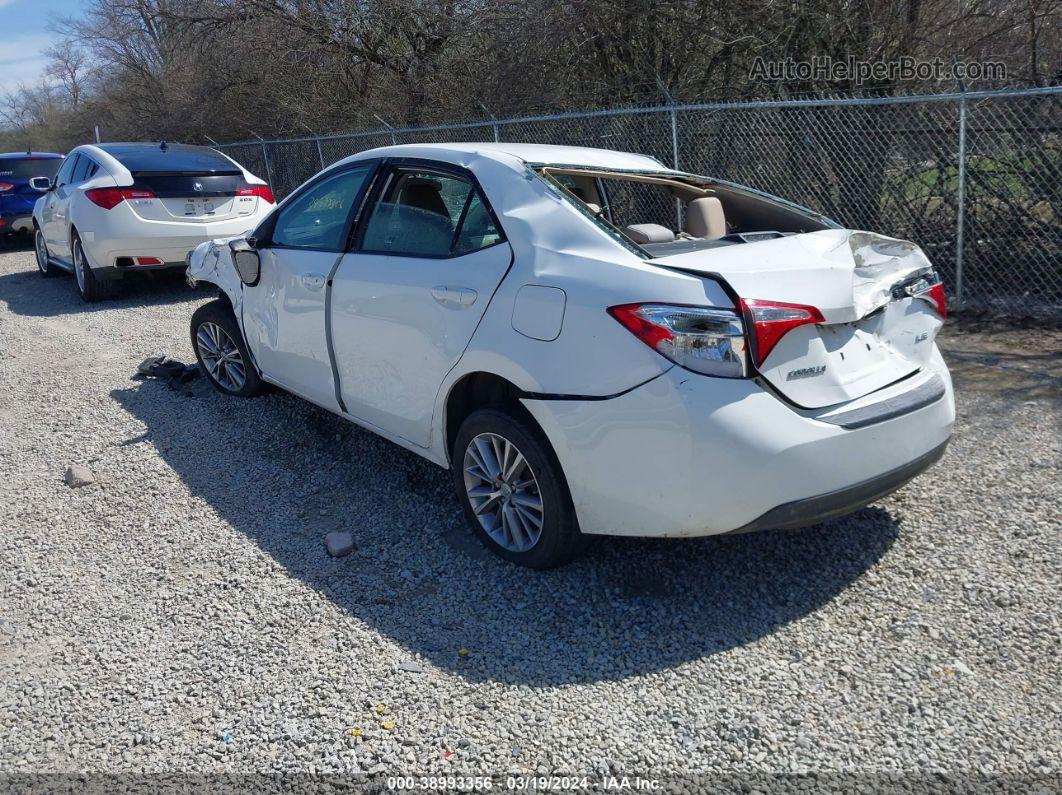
[(21, 60)]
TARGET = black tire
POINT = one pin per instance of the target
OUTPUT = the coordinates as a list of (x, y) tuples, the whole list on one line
[(218, 314), (40, 249), (89, 287), (559, 538)]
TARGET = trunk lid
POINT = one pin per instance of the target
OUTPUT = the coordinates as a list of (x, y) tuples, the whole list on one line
[(196, 198), (874, 333)]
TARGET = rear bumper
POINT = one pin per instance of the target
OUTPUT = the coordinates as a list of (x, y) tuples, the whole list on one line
[(812, 510), (689, 455), (118, 272), (167, 242)]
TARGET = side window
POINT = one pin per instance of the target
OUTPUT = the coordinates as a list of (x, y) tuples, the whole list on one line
[(317, 218), (428, 214), (478, 229), (83, 170), (63, 177)]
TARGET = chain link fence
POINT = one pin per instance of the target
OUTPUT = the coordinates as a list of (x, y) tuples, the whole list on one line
[(975, 178)]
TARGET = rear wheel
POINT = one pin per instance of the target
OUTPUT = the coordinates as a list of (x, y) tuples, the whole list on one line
[(91, 288), (41, 247), (221, 351), (512, 489)]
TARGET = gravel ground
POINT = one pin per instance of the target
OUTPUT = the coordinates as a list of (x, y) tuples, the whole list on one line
[(181, 614)]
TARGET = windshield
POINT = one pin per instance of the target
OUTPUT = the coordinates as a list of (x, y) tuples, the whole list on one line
[(29, 167)]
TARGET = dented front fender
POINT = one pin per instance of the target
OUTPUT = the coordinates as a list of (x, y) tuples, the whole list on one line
[(211, 262)]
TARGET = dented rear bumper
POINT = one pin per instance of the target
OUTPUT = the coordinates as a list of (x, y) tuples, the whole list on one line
[(691, 455)]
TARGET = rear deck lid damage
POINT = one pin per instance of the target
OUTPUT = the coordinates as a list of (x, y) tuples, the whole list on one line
[(878, 322)]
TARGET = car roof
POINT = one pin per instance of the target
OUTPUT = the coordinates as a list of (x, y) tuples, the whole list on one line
[(30, 156), (544, 154)]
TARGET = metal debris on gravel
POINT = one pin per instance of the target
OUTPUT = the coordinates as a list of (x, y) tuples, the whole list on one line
[(181, 617)]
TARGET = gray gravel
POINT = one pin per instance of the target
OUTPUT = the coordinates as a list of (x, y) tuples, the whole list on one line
[(181, 613)]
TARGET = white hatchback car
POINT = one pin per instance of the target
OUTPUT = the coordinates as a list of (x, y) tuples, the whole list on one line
[(118, 208), (592, 342)]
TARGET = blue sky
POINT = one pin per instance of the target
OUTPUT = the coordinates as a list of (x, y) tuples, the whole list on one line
[(24, 33)]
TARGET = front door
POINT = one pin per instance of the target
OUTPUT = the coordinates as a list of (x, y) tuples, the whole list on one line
[(56, 208), (407, 300), (284, 313)]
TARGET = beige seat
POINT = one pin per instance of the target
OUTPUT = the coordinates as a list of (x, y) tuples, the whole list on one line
[(704, 218), (649, 233)]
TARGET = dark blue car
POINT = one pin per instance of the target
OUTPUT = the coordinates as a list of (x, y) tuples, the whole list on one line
[(16, 196)]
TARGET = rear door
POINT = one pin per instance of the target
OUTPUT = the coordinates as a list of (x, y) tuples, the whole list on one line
[(405, 303), (284, 313)]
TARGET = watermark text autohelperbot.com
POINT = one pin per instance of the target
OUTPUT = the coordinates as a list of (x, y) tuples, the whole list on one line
[(825, 68)]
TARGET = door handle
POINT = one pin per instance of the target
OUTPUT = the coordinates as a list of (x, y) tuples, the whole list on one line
[(454, 297), (313, 281)]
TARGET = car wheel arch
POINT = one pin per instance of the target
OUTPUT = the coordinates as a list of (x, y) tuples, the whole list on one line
[(475, 390)]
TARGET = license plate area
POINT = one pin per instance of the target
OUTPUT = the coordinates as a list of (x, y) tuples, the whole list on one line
[(198, 208)]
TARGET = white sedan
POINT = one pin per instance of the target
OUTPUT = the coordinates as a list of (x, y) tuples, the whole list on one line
[(120, 208), (593, 343)]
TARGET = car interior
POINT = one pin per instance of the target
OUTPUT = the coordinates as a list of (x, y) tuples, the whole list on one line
[(664, 215)]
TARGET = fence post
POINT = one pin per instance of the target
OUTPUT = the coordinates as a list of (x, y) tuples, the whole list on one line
[(960, 227), (320, 151), (675, 163), (394, 140), (265, 157), (494, 125)]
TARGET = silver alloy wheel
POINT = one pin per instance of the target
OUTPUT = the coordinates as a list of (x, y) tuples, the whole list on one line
[(79, 265), (221, 356), (503, 492), (42, 251)]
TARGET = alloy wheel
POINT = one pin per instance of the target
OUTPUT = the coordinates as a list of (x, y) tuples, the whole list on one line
[(42, 251), (79, 266), (221, 356), (503, 492)]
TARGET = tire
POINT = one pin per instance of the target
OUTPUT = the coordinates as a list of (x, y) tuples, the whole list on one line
[(40, 248), (221, 352), (90, 288), (505, 523)]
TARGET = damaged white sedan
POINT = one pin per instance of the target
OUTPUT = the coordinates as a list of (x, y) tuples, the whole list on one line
[(593, 343)]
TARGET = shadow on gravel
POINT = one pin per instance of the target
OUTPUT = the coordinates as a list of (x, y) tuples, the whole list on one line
[(284, 473), (28, 293), (15, 243)]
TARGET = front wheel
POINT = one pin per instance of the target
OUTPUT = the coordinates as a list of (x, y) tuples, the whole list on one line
[(221, 351), (512, 489)]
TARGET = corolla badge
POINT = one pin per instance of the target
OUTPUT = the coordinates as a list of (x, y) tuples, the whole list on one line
[(805, 372), (197, 186)]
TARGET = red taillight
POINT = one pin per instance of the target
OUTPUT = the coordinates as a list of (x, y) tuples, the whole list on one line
[(261, 191), (771, 320), (148, 261), (703, 339), (652, 334), (936, 294), (6, 186), (108, 198)]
